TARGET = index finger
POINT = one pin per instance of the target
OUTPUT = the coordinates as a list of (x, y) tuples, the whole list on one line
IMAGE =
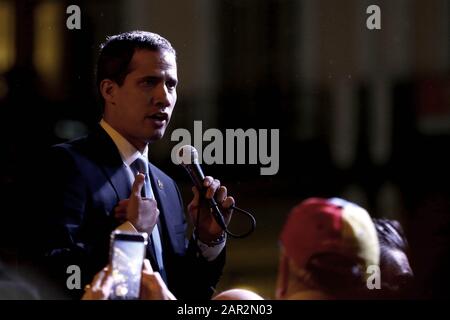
[(138, 184), (147, 267), (208, 181)]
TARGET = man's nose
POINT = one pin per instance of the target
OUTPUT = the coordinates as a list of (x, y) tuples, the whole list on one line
[(161, 96)]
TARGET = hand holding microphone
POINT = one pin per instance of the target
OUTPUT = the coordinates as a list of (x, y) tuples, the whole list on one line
[(210, 190), (210, 220)]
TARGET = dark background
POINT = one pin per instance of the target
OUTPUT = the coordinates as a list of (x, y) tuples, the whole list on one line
[(362, 114)]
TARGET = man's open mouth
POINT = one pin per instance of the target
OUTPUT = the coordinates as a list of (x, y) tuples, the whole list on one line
[(160, 116)]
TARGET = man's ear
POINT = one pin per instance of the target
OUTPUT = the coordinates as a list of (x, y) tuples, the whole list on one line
[(108, 90)]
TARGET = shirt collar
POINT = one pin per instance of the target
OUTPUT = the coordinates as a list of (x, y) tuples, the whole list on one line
[(127, 151)]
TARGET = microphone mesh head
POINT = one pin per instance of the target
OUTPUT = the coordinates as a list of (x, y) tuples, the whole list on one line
[(187, 155)]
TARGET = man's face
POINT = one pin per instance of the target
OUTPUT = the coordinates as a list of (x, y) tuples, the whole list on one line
[(143, 105)]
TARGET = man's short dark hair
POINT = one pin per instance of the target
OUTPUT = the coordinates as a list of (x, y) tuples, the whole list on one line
[(117, 51), (391, 235), (397, 279)]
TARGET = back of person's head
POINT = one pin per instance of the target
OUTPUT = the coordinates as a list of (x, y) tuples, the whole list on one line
[(238, 294), (396, 273), (118, 50), (327, 246)]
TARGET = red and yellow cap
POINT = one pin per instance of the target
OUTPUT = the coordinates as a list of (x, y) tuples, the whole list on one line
[(334, 225)]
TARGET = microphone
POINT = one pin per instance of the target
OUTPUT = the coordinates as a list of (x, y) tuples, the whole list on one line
[(188, 158)]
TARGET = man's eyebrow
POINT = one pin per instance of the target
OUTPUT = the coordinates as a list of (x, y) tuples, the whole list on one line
[(150, 78), (157, 78)]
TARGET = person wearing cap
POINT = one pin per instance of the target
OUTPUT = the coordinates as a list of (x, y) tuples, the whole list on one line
[(326, 247)]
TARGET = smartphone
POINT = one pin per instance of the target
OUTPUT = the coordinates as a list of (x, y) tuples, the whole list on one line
[(127, 252)]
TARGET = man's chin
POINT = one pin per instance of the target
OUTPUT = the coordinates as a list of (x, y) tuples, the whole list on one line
[(155, 136)]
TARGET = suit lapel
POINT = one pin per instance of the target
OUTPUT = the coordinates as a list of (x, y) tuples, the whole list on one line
[(164, 200), (108, 158), (119, 180)]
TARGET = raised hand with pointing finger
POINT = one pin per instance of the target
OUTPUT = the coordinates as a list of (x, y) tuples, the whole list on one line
[(141, 212)]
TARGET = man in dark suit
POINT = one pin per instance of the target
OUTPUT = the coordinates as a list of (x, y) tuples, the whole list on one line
[(95, 187)]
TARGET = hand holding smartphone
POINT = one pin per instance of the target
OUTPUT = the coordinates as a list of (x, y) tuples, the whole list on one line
[(127, 252)]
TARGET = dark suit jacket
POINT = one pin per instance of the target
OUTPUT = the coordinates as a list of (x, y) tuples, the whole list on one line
[(87, 179)]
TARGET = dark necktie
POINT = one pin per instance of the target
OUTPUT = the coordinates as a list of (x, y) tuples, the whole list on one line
[(141, 165)]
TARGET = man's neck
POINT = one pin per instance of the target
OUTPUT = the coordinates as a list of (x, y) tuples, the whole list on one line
[(128, 152), (139, 145)]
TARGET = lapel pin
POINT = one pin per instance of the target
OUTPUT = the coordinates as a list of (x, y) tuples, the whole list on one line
[(160, 184)]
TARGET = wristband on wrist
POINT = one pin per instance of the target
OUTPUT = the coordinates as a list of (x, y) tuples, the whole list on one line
[(221, 239)]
